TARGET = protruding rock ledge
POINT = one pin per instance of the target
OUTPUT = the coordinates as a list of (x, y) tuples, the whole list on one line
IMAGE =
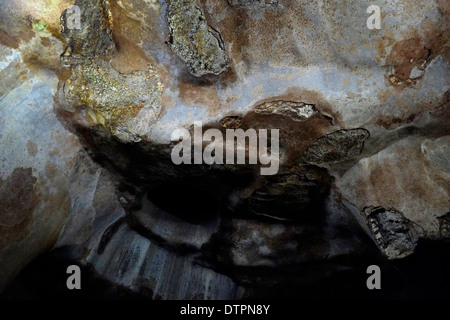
[(337, 146), (125, 104), (297, 111), (394, 235)]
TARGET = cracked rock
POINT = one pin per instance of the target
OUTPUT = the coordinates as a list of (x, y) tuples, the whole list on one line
[(335, 147), (197, 44), (393, 233)]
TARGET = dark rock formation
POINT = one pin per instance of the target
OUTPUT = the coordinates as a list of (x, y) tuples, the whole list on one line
[(393, 233)]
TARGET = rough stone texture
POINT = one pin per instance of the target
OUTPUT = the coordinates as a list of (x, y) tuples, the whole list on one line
[(86, 118), (36, 152), (394, 234), (231, 122), (197, 44), (296, 111), (125, 104), (337, 146), (402, 176)]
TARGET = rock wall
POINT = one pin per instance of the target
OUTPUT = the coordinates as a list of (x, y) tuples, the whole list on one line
[(87, 115)]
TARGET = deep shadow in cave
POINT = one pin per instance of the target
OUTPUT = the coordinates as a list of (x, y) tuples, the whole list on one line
[(421, 276), (193, 203)]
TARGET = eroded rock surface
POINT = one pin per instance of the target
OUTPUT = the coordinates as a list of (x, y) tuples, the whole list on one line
[(125, 104), (337, 146), (296, 111), (196, 43), (86, 118), (394, 234)]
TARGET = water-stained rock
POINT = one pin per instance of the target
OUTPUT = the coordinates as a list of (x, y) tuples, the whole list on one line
[(16, 197), (231, 122), (295, 66)]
